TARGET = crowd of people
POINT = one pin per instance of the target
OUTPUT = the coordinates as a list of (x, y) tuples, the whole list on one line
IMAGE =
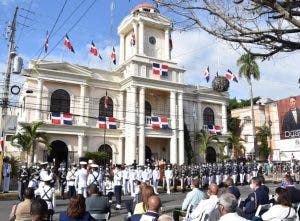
[(91, 188)]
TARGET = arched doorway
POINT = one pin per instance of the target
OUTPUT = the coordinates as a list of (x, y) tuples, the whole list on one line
[(148, 153), (211, 156), (59, 152), (107, 149)]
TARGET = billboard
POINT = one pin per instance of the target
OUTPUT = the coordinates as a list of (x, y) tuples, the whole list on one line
[(289, 117)]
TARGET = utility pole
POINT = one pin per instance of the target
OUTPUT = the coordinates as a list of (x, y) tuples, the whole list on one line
[(11, 55)]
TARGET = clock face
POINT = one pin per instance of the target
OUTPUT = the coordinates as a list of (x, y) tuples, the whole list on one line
[(152, 40)]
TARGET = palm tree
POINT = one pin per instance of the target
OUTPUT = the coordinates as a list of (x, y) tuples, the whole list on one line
[(249, 69), (263, 133), (234, 143), (28, 139), (206, 140)]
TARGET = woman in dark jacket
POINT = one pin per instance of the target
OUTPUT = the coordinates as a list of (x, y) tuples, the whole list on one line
[(76, 211)]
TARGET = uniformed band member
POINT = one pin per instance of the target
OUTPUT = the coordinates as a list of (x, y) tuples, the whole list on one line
[(81, 179), (118, 186), (169, 177), (71, 176), (23, 180), (62, 178), (6, 171)]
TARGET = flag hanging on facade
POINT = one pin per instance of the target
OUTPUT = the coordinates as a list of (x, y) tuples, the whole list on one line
[(46, 44), (95, 51), (132, 42), (67, 118), (61, 118), (206, 74), (101, 122), (1, 144), (55, 118), (230, 76), (107, 122), (68, 44), (114, 56), (214, 129), (160, 69), (159, 122)]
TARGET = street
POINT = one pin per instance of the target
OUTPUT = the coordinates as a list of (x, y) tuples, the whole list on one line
[(169, 202)]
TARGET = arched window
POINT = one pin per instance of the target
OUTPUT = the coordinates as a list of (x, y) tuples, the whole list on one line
[(208, 116), (60, 101), (107, 149), (148, 108), (106, 111)]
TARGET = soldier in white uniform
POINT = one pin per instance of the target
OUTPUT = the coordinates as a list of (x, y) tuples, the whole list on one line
[(118, 186), (71, 176), (139, 172), (169, 177), (125, 175), (93, 177), (145, 176), (81, 179), (155, 177), (6, 170), (132, 178), (43, 172), (47, 193), (150, 174)]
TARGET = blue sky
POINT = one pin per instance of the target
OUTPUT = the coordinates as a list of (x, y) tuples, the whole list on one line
[(192, 50)]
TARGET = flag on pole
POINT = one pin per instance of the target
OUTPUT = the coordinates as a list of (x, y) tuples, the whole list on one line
[(114, 56), (132, 42), (1, 144), (106, 102), (170, 43), (95, 51), (68, 44), (206, 74), (230, 76), (46, 44)]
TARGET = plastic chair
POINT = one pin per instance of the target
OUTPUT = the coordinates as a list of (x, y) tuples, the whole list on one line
[(262, 208), (100, 216)]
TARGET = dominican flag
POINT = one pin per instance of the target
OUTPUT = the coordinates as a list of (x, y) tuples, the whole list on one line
[(1, 144), (56, 118), (164, 123), (101, 122), (206, 74), (160, 69), (132, 42), (95, 51), (68, 44), (159, 122), (106, 102), (114, 56), (170, 43), (67, 118), (155, 122), (214, 129), (46, 44), (111, 123), (230, 76)]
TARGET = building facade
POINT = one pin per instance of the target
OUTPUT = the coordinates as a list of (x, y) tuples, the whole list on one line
[(133, 94)]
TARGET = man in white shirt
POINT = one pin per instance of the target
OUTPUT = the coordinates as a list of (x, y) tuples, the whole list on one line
[(155, 177), (227, 207), (6, 171), (169, 177), (81, 179), (209, 206), (118, 186)]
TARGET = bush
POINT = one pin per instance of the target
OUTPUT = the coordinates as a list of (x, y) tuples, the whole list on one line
[(99, 157)]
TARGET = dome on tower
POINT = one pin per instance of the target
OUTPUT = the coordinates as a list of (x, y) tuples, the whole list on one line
[(145, 7)]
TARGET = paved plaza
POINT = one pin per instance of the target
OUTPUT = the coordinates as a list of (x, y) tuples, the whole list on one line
[(169, 203)]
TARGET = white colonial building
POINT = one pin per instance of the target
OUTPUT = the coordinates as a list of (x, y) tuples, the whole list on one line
[(134, 93)]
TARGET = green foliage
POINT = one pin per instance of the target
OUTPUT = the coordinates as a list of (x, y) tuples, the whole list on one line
[(248, 67), (206, 140), (263, 133), (234, 143), (99, 157), (14, 162), (233, 124), (188, 148)]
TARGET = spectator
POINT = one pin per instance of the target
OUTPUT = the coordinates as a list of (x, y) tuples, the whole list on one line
[(254, 199), (76, 210), (263, 186), (192, 198), (165, 217), (228, 183), (283, 209), (208, 206), (22, 210), (141, 207), (294, 193), (227, 207), (154, 205), (39, 210), (96, 203)]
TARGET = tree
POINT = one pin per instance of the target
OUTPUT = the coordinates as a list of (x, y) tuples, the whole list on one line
[(234, 143), (263, 133), (99, 157), (29, 137), (188, 148), (249, 69), (206, 140), (268, 26)]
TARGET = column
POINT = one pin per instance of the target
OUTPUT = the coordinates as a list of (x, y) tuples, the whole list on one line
[(121, 109), (120, 151), (39, 99), (135, 29), (224, 119), (142, 126), (173, 142), (167, 44), (82, 104), (122, 48), (200, 116), (141, 38), (180, 128), (80, 146), (130, 126)]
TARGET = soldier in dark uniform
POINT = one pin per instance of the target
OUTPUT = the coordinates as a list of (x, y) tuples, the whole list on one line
[(23, 179), (235, 172), (175, 178), (182, 178), (242, 173), (62, 180)]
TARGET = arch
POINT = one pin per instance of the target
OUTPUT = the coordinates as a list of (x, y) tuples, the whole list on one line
[(60, 101), (148, 108), (106, 107), (107, 149), (148, 153), (211, 155), (59, 152), (208, 116)]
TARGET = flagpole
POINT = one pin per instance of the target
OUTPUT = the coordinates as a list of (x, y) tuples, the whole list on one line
[(105, 118)]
